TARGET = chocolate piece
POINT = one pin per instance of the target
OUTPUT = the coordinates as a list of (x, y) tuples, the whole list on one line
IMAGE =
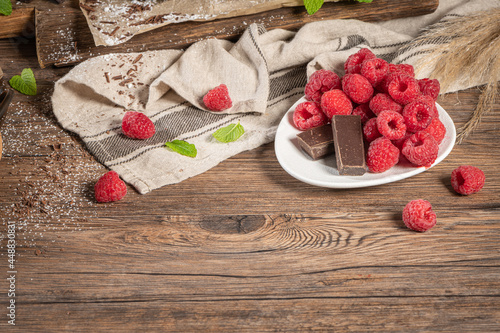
[(349, 146), (317, 142)]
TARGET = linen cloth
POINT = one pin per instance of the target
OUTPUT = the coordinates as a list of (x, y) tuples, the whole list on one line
[(265, 72)]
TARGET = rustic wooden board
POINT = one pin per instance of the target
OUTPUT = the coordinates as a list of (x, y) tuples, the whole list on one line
[(63, 36)]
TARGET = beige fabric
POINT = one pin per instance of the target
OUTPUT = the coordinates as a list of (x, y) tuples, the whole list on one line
[(265, 72)]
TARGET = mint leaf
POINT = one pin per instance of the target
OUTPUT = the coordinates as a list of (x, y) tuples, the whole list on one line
[(182, 147), (5, 7), (312, 6), (229, 133), (25, 83)]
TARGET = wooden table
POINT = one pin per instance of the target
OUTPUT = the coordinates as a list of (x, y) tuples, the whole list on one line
[(243, 247)]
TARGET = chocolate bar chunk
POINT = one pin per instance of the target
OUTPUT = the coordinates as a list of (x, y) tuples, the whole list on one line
[(317, 142), (349, 146)]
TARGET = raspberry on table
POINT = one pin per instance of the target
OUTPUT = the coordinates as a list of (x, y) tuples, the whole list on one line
[(403, 89), (335, 102), (370, 130), (429, 87), (137, 125), (374, 70), (419, 216), (437, 129), (391, 124), (357, 87), (354, 62), (467, 179), (364, 111), (321, 81), (417, 116), (381, 102), (382, 155), (218, 99), (308, 115), (421, 149), (110, 188)]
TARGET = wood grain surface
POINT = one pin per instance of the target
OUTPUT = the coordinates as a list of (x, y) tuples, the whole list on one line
[(63, 36), (243, 247)]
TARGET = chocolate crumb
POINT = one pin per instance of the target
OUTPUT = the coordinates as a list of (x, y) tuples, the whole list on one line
[(137, 59)]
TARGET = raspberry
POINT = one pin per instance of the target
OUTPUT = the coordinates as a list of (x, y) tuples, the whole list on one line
[(382, 102), (436, 129), (320, 82), (383, 86), (467, 179), (418, 215), (405, 69), (355, 61), (218, 99), (335, 102), (403, 89), (417, 116), (110, 188), (363, 110), (357, 88), (374, 70), (137, 125), (370, 130), (429, 87), (308, 115), (382, 155), (432, 104), (421, 149), (391, 125)]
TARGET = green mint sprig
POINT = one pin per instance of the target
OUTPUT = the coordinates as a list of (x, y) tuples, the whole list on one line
[(182, 147), (312, 6), (5, 7), (24, 83), (229, 133)]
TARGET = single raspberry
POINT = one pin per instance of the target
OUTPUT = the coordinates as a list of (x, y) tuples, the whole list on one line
[(421, 149), (355, 61), (382, 155), (374, 70), (432, 104), (436, 129), (405, 69), (357, 88), (335, 102), (308, 115), (403, 89), (364, 111), (370, 130), (320, 82), (418, 215), (110, 188), (137, 125), (382, 102), (391, 125), (417, 115), (467, 179), (429, 87), (218, 99)]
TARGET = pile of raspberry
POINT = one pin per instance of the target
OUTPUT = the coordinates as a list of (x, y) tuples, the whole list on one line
[(398, 112)]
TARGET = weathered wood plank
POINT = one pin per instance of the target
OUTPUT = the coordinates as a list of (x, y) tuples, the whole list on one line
[(20, 22), (63, 36)]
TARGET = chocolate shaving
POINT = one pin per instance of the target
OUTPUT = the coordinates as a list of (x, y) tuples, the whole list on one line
[(137, 59), (124, 82), (118, 77), (114, 31), (106, 75)]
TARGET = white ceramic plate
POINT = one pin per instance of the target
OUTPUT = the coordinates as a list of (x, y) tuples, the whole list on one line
[(324, 173)]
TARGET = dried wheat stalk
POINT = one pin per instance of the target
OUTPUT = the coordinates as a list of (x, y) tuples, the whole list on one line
[(465, 49)]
